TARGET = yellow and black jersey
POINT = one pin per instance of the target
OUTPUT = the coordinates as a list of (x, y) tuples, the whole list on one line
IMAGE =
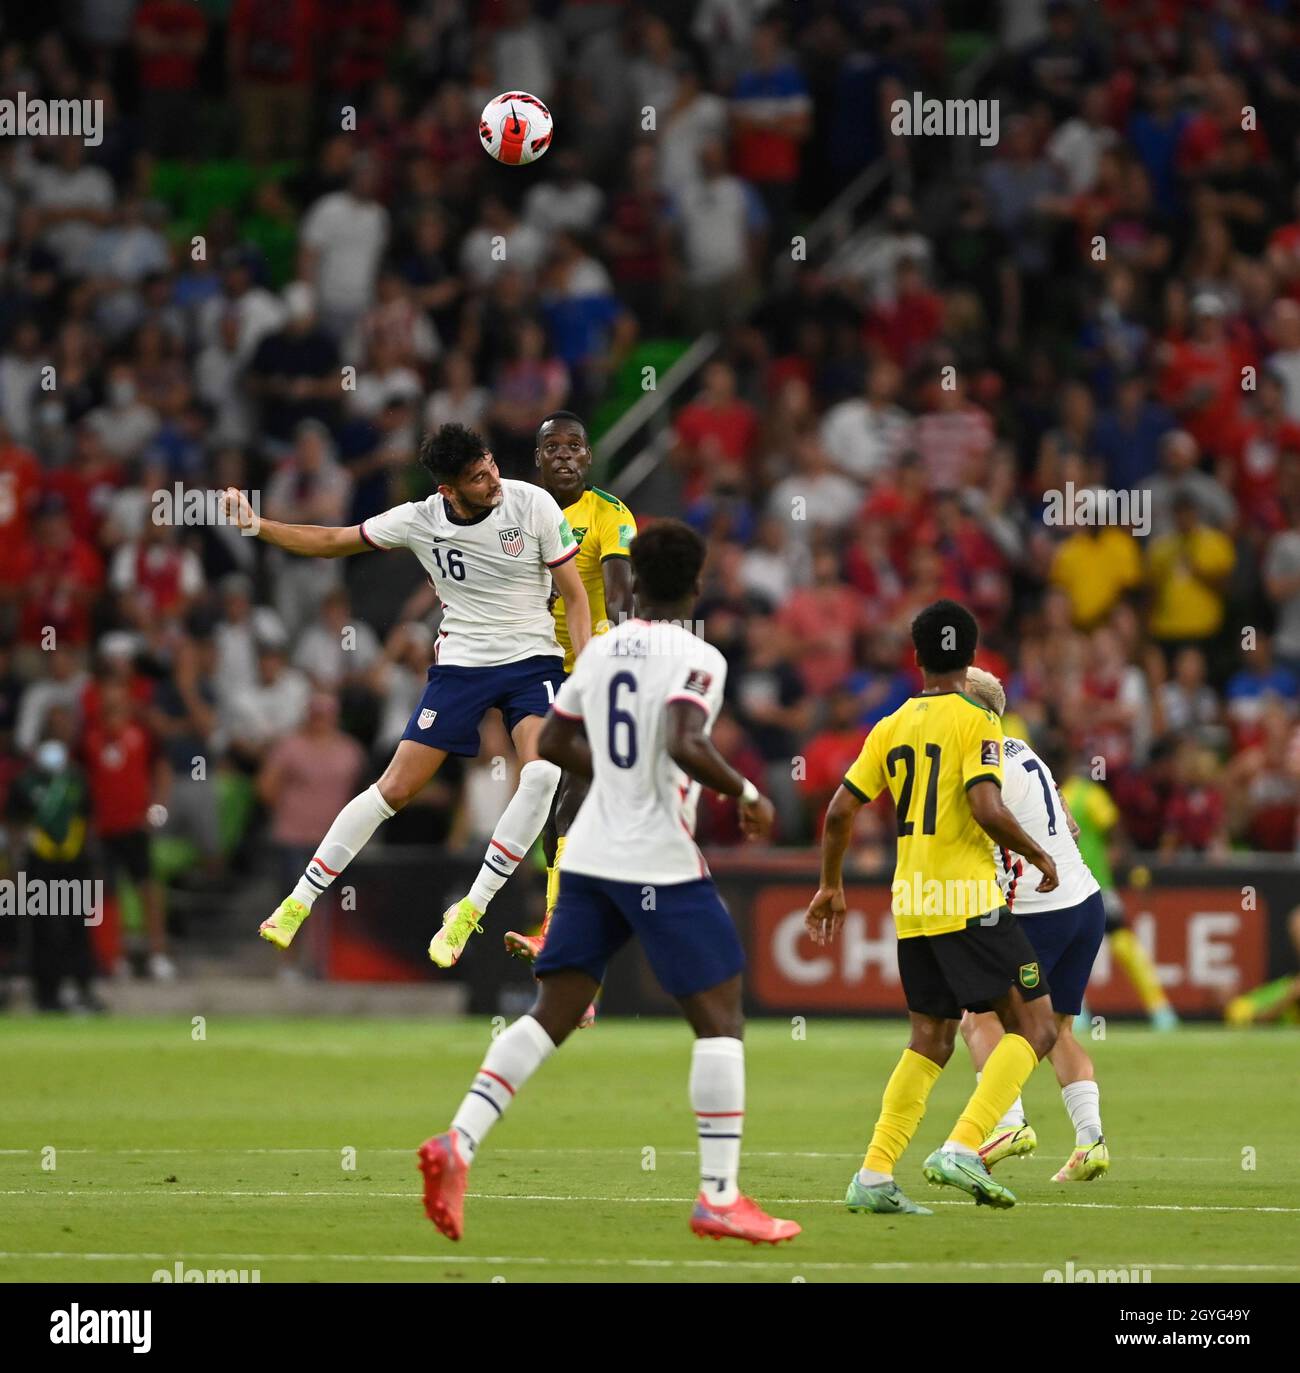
[(604, 528), (927, 754)]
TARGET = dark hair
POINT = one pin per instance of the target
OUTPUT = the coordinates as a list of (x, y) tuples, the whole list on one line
[(562, 415), (448, 451), (944, 635), (667, 559)]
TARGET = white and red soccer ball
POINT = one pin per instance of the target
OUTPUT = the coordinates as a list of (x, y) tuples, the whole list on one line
[(515, 128)]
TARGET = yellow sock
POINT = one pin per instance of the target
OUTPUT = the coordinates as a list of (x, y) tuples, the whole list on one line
[(1005, 1073), (901, 1110), (1140, 969), (553, 877)]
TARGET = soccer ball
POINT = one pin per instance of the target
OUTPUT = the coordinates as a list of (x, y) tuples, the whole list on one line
[(515, 128)]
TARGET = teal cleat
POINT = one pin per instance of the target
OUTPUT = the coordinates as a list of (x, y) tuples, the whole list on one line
[(968, 1173), (885, 1199)]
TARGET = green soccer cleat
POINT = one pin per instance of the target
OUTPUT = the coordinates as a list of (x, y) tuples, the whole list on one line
[(280, 928), (884, 1199), (1087, 1162), (458, 923), (1009, 1141), (968, 1173)]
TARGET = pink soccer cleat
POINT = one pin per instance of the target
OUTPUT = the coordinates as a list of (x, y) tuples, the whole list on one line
[(445, 1175), (744, 1219)]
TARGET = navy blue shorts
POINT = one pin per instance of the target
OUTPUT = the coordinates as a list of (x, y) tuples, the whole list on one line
[(1066, 943), (688, 937), (457, 698)]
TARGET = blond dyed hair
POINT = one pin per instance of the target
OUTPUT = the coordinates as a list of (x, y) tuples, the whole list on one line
[(985, 688)]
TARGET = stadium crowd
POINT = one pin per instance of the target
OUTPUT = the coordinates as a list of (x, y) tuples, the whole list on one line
[(279, 266)]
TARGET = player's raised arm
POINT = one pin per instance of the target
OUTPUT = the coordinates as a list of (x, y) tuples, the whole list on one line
[(690, 747), (1003, 828), (307, 540), (577, 608)]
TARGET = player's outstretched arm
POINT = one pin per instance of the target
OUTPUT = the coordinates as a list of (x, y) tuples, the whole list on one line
[(564, 743), (694, 752), (577, 608), (826, 910), (1003, 828), (307, 540)]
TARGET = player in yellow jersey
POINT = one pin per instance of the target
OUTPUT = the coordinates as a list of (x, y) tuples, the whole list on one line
[(604, 529), (959, 948)]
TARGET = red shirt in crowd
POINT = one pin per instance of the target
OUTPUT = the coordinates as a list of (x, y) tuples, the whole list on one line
[(824, 621), (119, 766), (1194, 816), (20, 484), (733, 428), (273, 40), (1194, 365), (1254, 449), (172, 70), (60, 584)]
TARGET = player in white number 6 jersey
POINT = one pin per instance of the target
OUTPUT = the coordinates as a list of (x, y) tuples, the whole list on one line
[(647, 693), (491, 548), (1066, 927)]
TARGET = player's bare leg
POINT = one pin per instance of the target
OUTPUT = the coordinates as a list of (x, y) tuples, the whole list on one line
[(718, 1098), (412, 767), (516, 832), (571, 794), (511, 1060)]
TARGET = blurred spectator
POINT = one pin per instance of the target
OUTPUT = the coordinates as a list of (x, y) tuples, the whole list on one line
[(129, 789), (294, 371), (344, 236), (275, 705), (309, 774), (338, 649), (1188, 572), (864, 435), (272, 68)]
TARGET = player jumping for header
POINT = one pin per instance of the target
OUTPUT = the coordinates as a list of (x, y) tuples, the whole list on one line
[(940, 757), (491, 547), (647, 693)]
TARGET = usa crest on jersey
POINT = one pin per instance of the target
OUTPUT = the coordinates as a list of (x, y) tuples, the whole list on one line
[(512, 542)]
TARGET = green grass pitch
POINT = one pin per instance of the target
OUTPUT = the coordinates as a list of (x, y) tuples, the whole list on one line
[(229, 1152)]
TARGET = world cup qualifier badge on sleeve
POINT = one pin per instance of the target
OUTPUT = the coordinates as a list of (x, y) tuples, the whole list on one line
[(990, 752)]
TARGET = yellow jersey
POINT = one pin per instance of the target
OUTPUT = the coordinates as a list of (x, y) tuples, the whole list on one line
[(927, 754), (604, 528)]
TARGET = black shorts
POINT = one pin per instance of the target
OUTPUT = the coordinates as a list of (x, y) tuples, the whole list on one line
[(128, 853), (945, 974)]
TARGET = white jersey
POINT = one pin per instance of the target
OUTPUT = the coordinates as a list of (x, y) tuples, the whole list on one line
[(637, 823), (493, 576), (1029, 793)]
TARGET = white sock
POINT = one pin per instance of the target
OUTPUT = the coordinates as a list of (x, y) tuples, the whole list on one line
[(868, 1177), (952, 1147), (346, 837), (1083, 1101), (517, 830), (514, 1057), (718, 1100)]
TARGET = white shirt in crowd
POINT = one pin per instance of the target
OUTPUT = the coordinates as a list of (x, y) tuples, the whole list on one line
[(864, 440), (638, 821), (349, 235)]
